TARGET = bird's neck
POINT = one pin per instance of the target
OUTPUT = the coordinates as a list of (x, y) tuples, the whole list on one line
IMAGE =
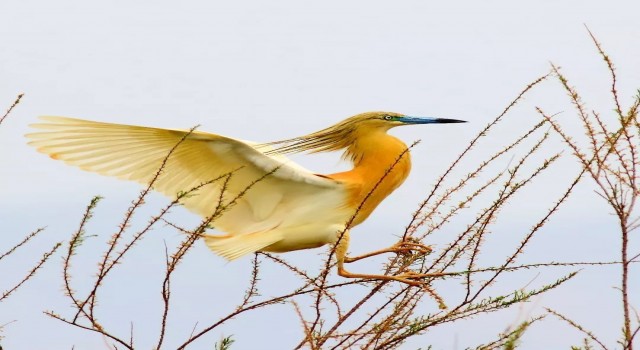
[(381, 164)]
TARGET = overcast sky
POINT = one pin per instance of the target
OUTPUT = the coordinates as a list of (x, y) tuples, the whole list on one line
[(265, 71)]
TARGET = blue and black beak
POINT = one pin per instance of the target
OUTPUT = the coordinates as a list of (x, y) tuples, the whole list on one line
[(421, 120)]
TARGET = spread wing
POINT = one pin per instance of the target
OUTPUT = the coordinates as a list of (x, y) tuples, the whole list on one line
[(137, 153)]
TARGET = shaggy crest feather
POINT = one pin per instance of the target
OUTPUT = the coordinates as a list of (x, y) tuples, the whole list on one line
[(342, 135)]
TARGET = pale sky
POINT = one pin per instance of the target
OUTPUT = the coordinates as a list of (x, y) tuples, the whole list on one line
[(265, 71)]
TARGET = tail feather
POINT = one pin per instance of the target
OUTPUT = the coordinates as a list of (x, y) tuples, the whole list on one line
[(234, 247)]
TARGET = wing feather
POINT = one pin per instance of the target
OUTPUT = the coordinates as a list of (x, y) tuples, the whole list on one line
[(137, 153)]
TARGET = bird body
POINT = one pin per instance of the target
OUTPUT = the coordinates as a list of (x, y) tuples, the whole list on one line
[(374, 155), (270, 203)]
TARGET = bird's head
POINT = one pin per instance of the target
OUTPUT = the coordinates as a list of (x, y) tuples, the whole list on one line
[(387, 120)]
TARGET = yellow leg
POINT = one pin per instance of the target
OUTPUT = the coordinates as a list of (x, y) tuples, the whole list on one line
[(410, 278), (400, 247)]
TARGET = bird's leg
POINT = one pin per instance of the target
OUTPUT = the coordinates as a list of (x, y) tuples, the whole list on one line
[(411, 278), (400, 247)]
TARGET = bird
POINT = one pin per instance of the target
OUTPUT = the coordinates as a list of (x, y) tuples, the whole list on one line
[(279, 205)]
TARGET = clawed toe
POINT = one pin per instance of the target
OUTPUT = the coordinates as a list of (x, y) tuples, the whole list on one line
[(402, 247), (409, 247), (414, 276)]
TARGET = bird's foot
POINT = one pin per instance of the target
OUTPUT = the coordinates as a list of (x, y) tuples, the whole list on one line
[(409, 277), (415, 278), (404, 247)]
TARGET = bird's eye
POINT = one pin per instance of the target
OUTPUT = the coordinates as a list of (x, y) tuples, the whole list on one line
[(388, 117)]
